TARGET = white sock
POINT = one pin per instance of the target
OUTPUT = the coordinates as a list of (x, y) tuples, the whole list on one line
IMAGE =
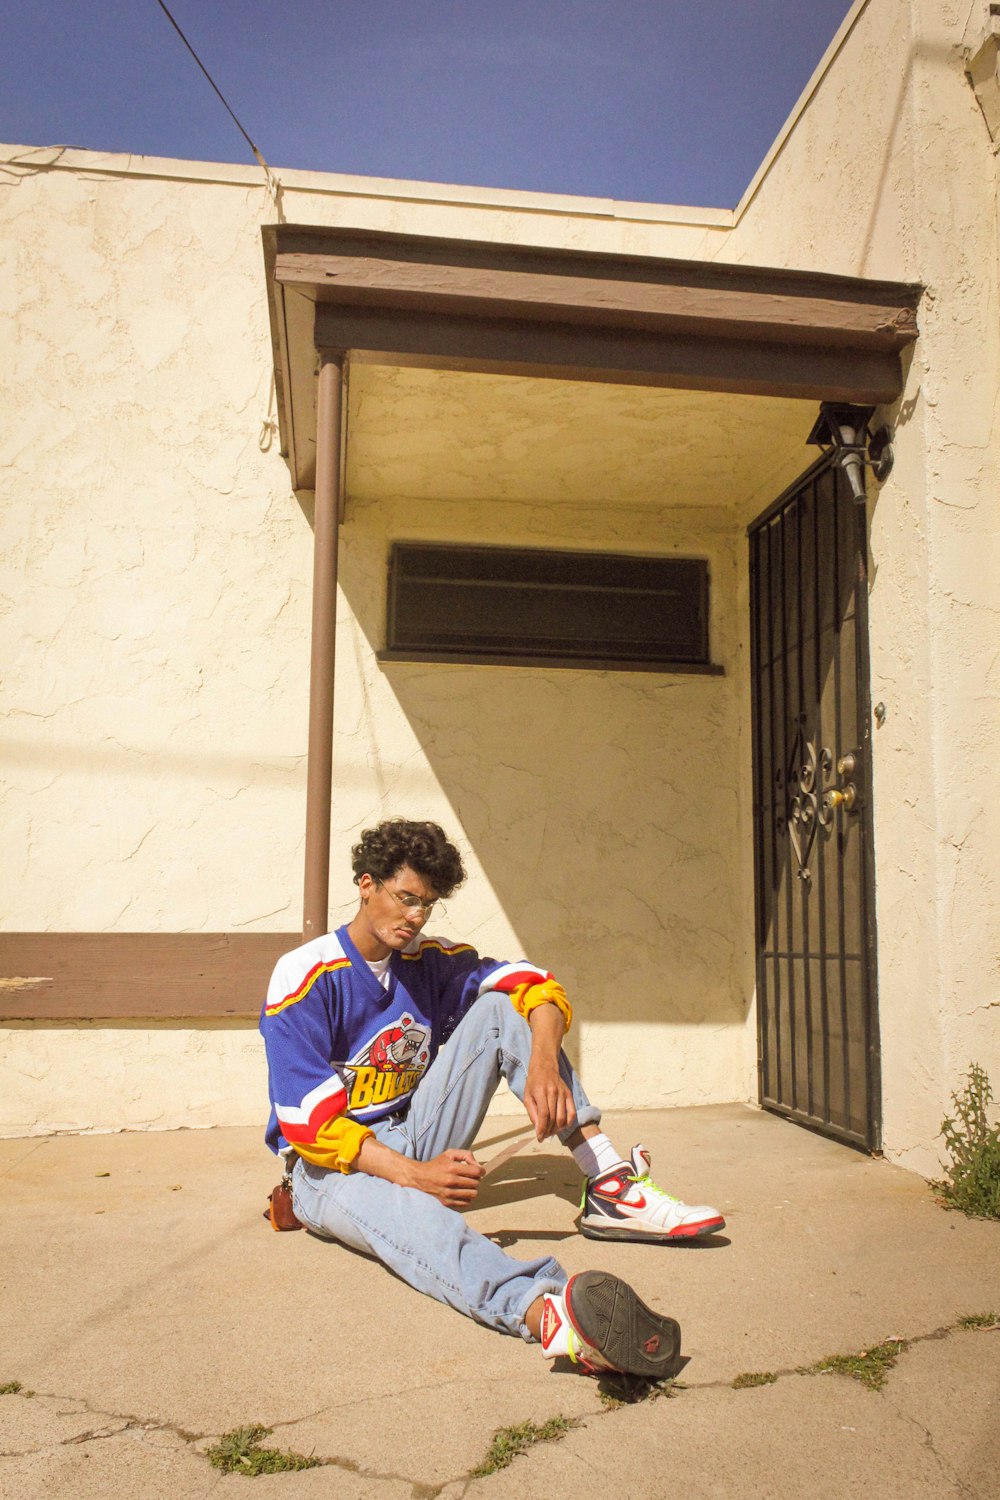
[(555, 1330), (596, 1155)]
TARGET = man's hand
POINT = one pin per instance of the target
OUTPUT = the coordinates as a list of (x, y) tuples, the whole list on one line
[(547, 1098), (453, 1178)]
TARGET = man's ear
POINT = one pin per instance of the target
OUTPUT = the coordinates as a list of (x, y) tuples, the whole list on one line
[(365, 886)]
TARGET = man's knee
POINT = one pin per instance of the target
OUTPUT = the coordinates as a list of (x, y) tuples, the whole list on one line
[(495, 1012)]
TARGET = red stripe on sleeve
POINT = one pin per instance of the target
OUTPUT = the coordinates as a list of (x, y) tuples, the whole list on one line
[(521, 976), (307, 1131)]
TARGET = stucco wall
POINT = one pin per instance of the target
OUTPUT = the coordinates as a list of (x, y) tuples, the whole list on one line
[(889, 171), (157, 574), (155, 594)]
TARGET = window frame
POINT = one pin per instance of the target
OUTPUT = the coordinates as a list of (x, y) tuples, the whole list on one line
[(407, 639)]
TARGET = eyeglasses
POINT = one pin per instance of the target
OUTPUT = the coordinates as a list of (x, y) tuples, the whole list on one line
[(410, 903)]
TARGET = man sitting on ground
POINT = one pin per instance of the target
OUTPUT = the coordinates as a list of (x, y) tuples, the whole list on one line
[(384, 1049)]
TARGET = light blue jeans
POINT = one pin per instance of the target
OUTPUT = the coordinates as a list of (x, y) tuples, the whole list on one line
[(429, 1246)]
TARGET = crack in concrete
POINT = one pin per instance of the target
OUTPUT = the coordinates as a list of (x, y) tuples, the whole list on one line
[(129, 1422), (18, 1164), (905, 1342), (419, 1490), (947, 1470), (99, 1434), (128, 1419)]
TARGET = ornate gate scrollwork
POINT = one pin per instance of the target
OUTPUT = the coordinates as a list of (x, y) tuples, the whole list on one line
[(807, 807)]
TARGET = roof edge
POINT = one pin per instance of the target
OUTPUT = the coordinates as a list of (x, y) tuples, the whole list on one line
[(29, 159), (800, 106)]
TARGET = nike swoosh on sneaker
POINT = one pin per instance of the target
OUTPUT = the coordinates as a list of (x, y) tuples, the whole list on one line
[(630, 1208), (636, 1203)]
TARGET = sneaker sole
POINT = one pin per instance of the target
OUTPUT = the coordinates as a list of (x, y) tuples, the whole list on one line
[(617, 1229), (608, 1315)]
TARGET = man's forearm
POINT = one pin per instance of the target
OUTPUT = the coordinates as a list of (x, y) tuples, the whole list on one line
[(377, 1160), (547, 1098), (547, 1031), (452, 1176)]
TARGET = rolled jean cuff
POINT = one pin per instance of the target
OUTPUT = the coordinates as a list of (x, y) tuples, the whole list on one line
[(588, 1115)]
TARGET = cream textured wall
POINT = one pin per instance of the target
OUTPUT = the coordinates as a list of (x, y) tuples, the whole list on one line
[(155, 597), (889, 171), (156, 581), (600, 807), (133, 1076)]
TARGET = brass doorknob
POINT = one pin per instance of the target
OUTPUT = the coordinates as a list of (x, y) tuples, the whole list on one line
[(844, 797)]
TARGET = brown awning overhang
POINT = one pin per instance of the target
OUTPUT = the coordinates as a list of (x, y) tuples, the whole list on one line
[(638, 320)]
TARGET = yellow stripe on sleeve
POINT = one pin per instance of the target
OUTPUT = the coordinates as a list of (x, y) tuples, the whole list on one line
[(299, 994), (337, 1144), (527, 997)]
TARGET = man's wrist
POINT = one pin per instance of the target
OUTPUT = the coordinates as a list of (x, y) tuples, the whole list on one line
[(543, 1069), (376, 1160), (413, 1172)]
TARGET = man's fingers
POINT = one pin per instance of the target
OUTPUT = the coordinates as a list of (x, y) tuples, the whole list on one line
[(459, 1197), (531, 1106), (540, 1116), (464, 1161)]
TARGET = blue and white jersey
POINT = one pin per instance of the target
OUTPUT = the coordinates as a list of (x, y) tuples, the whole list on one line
[(340, 1043)]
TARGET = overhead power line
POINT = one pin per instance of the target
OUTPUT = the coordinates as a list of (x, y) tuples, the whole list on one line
[(272, 182)]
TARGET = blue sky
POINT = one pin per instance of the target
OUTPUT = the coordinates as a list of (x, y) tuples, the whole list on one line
[(653, 100)]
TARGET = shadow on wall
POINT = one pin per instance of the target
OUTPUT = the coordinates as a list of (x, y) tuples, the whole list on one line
[(602, 807)]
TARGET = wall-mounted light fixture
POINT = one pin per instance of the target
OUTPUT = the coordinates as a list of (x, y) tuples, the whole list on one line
[(844, 430)]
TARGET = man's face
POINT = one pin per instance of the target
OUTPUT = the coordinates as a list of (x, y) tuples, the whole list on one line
[(394, 911)]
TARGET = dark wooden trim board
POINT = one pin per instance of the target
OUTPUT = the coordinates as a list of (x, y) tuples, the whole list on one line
[(671, 306), (104, 976), (613, 356)]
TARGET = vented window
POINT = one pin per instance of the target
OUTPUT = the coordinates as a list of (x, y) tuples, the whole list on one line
[(536, 607)]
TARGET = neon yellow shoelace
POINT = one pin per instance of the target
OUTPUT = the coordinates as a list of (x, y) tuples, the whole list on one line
[(648, 1185)]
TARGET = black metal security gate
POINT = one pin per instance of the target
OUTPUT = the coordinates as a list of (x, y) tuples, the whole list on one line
[(818, 1046)]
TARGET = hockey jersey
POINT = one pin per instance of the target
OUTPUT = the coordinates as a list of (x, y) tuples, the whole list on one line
[(342, 1047)]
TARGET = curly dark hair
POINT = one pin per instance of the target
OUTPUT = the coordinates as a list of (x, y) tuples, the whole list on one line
[(423, 846)]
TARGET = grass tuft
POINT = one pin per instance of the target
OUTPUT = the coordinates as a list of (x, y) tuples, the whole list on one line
[(620, 1389), (11, 1388), (973, 1144), (239, 1452), (753, 1377), (871, 1366), (980, 1320), (509, 1442)]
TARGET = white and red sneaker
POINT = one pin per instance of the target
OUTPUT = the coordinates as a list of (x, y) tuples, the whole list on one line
[(600, 1323), (624, 1203)]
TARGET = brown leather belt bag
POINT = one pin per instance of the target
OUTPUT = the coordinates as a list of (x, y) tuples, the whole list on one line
[(279, 1209)]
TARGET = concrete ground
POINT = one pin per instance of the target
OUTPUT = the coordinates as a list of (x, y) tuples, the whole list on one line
[(146, 1308)]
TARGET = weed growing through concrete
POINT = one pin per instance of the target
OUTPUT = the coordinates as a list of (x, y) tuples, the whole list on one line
[(871, 1366), (753, 1377), (973, 1144), (980, 1320), (626, 1390), (509, 1442), (239, 1452)]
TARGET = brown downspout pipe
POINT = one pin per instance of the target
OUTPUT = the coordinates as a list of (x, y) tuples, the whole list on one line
[(326, 528)]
